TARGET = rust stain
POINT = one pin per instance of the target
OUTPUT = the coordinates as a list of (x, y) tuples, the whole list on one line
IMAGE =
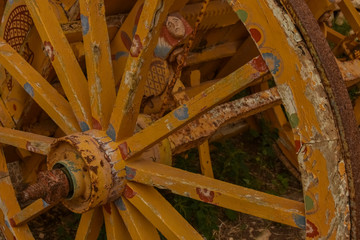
[(51, 186), (205, 126)]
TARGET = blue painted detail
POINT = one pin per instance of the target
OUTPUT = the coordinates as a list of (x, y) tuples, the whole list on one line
[(130, 173), (162, 51), (45, 204), (29, 89), (84, 24), (120, 204), (11, 1), (182, 113), (121, 54), (84, 127), (272, 62), (111, 132), (134, 30), (7, 224), (299, 220)]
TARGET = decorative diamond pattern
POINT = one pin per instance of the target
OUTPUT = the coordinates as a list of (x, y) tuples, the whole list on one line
[(158, 77)]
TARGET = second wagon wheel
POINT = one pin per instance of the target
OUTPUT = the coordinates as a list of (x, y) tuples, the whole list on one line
[(103, 170)]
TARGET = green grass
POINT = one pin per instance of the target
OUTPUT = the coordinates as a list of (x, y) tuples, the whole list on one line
[(234, 160)]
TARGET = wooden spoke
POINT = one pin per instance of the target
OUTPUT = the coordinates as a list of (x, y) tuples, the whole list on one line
[(203, 148), (121, 44), (213, 53), (239, 57), (218, 193), (201, 103), (5, 118), (138, 226), (73, 30), (90, 225), (131, 91), (115, 227), (9, 205), (3, 166), (30, 212), (178, 5), (159, 212), (350, 13), (29, 141), (98, 62), (205, 159), (63, 60), (5, 229), (350, 71), (38, 88), (332, 35)]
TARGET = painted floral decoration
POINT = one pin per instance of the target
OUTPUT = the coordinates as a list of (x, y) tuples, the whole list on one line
[(205, 195), (272, 62), (311, 229), (49, 50), (136, 46)]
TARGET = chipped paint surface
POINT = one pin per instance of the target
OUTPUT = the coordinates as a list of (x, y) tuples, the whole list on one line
[(64, 61), (217, 192), (207, 125), (102, 160), (313, 124)]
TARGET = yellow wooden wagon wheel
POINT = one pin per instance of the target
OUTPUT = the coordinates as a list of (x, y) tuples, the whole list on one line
[(99, 167), (345, 48)]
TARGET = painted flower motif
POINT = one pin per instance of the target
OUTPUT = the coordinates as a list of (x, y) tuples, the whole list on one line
[(96, 124), (259, 64), (128, 192), (136, 46), (49, 50), (311, 229), (124, 150), (205, 194), (272, 62), (31, 147), (130, 173)]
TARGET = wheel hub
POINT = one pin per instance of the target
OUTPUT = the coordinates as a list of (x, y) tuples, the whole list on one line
[(83, 158)]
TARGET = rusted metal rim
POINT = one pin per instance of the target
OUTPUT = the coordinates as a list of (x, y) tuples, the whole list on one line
[(339, 99)]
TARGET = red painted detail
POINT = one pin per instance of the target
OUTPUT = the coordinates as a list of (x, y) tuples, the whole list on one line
[(298, 145), (12, 222), (126, 40), (311, 229), (128, 192), (259, 64), (205, 194), (136, 46), (107, 208), (256, 35), (203, 109), (138, 14), (49, 50), (14, 107), (96, 124), (31, 147), (169, 38), (124, 150)]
